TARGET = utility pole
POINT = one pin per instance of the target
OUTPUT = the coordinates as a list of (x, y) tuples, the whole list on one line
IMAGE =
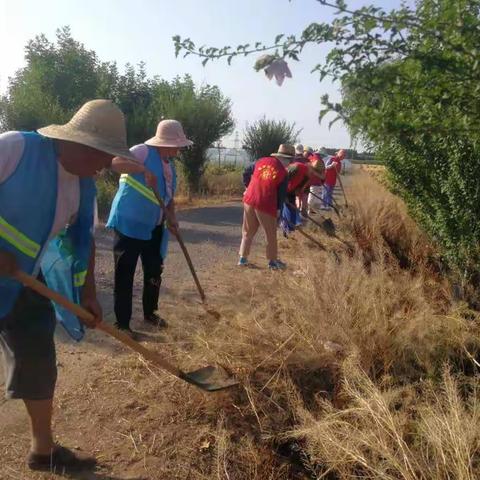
[(236, 143), (219, 146)]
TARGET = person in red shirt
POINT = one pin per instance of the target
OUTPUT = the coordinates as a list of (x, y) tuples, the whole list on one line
[(307, 153), (300, 176), (262, 199), (302, 155), (333, 167), (299, 154), (316, 185)]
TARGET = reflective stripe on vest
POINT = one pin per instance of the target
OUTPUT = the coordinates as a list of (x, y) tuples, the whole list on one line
[(142, 189), (18, 239), (79, 279)]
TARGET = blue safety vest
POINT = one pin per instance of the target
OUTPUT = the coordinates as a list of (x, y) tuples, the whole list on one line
[(28, 201), (135, 211)]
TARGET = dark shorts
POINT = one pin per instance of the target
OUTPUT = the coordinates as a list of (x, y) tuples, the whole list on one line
[(27, 342)]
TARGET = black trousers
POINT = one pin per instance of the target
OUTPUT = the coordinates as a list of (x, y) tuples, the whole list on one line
[(126, 251)]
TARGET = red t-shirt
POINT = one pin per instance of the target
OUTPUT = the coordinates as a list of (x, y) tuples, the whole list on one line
[(331, 173), (297, 177), (315, 181), (262, 191)]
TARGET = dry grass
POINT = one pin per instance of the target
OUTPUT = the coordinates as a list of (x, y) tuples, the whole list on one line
[(362, 361), (347, 355), (411, 433), (350, 354)]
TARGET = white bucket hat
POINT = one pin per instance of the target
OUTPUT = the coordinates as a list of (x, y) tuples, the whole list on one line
[(99, 124), (169, 134), (299, 149)]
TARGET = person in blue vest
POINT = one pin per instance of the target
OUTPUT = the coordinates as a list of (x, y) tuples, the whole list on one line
[(139, 222), (47, 201)]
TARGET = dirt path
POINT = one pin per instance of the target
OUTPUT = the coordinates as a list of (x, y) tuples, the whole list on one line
[(96, 403), (212, 235)]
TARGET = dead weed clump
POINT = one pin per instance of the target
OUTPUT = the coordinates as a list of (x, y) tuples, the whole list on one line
[(395, 433), (381, 226), (348, 357)]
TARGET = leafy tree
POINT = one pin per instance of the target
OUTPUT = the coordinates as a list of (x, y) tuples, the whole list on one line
[(59, 77), (264, 136), (411, 93), (56, 80), (205, 114)]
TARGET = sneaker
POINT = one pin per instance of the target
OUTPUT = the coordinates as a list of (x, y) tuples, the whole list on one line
[(276, 265), (242, 262), (155, 320), (61, 460)]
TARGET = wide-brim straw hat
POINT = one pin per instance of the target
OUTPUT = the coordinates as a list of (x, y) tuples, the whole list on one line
[(169, 134), (99, 124), (285, 151)]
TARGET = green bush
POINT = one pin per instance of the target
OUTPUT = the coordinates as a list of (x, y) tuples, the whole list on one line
[(107, 186), (264, 137)]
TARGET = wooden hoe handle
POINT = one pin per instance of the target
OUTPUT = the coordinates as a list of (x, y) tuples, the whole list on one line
[(80, 312), (183, 247)]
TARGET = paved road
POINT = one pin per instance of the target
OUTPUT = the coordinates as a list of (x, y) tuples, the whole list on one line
[(212, 235)]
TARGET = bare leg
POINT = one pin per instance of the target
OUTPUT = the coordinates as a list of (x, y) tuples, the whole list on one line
[(40, 413)]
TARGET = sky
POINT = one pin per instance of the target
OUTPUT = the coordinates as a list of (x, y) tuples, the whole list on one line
[(129, 31)]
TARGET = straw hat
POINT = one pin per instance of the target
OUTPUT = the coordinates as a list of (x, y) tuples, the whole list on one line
[(285, 151), (169, 134), (99, 124), (308, 149)]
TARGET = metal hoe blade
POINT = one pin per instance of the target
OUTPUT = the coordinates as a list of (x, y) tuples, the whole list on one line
[(329, 227), (210, 379)]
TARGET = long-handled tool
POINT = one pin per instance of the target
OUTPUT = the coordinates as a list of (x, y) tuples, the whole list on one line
[(329, 228), (343, 190), (208, 378), (325, 203), (327, 225), (182, 245), (309, 237), (180, 241)]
